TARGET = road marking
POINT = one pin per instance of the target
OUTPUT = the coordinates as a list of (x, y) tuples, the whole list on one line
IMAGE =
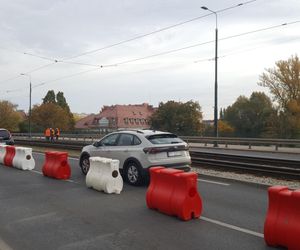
[(4, 245), (69, 180), (240, 229), (214, 182), (37, 172), (36, 217)]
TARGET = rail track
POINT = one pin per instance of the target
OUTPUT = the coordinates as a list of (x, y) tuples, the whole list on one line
[(289, 169)]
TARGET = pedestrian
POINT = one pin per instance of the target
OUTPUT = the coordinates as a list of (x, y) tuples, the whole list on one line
[(57, 133), (47, 134), (52, 134)]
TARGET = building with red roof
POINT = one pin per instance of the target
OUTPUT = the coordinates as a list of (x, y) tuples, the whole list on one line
[(118, 117)]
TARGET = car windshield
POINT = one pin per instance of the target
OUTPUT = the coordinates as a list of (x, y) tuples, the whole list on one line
[(164, 139), (4, 134)]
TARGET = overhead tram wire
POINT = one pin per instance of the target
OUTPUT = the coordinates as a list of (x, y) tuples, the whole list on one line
[(203, 43), (168, 52), (116, 44), (157, 31)]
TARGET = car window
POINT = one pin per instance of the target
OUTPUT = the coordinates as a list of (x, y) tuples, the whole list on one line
[(136, 141), (4, 134), (125, 140), (110, 140), (164, 139)]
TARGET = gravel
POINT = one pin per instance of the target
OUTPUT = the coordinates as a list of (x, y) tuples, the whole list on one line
[(265, 180)]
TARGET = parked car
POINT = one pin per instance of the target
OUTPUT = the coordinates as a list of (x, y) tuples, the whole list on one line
[(137, 151), (5, 137)]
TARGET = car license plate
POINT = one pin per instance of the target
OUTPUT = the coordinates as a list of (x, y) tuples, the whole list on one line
[(174, 153)]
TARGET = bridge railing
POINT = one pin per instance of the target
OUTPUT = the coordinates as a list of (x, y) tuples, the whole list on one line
[(205, 141)]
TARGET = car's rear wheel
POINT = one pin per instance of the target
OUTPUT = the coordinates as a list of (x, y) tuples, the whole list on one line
[(85, 164), (133, 174)]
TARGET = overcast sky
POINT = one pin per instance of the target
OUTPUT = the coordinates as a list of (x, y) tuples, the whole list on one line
[(35, 33)]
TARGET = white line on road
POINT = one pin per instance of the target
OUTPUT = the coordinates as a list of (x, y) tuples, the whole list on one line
[(68, 180), (240, 229), (4, 246), (37, 172), (214, 182)]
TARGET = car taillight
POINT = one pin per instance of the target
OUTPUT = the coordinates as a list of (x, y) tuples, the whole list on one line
[(155, 150), (152, 150)]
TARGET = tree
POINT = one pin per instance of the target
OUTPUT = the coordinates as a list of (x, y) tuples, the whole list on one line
[(50, 115), (250, 117), (61, 101), (179, 118), (283, 82), (9, 117), (50, 97), (225, 129)]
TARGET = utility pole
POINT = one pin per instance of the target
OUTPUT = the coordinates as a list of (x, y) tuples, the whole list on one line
[(216, 132)]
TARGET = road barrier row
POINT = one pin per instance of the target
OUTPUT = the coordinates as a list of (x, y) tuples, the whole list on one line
[(17, 157), (104, 175), (171, 191)]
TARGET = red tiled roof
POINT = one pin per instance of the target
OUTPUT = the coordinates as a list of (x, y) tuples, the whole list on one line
[(121, 116)]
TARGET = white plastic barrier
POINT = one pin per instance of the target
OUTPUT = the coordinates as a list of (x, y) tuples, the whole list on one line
[(23, 159), (104, 175), (2, 153)]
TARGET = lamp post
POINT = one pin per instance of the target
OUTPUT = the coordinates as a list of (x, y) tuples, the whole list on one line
[(216, 134), (29, 119)]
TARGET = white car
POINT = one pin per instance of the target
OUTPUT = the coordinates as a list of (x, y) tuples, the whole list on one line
[(137, 151)]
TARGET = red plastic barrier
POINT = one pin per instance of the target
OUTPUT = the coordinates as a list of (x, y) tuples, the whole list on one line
[(9, 156), (56, 165), (282, 225), (174, 192)]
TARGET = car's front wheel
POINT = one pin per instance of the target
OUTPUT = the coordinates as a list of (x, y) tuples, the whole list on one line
[(133, 173), (85, 163)]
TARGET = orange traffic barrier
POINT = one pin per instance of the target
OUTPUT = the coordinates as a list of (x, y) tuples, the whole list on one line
[(9, 156), (56, 165), (174, 192), (282, 225)]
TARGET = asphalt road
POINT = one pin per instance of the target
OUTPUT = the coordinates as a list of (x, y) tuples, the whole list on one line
[(37, 212)]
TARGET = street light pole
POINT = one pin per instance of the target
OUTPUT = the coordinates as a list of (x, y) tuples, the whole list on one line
[(30, 90), (216, 132)]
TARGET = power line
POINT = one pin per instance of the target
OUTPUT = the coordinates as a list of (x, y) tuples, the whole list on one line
[(54, 61), (168, 52), (157, 31), (203, 43)]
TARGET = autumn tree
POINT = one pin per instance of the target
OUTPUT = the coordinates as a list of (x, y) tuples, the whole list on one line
[(50, 115), (249, 116), (283, 82), (179, 118), (50, 97), (9, 117)]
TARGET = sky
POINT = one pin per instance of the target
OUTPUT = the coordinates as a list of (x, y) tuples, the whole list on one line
[(131, 52)]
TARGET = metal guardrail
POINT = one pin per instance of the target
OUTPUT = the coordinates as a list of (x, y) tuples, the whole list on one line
[(226, 141)]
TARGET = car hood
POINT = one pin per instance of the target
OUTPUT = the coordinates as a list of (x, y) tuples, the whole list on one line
[(87, 148)]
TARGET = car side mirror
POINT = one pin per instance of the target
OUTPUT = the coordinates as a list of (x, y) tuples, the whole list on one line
[(97, 144)]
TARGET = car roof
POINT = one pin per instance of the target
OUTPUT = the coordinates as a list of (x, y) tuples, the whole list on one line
[(145, 132)]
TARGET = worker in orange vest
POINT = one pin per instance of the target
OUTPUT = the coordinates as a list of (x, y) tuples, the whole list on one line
[(47, 134), (52, 134), (57, 133)]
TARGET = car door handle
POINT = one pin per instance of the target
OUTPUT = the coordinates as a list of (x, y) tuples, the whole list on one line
[(125, 150)]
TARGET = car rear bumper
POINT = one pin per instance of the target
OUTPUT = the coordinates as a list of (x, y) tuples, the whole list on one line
[(184, 167)]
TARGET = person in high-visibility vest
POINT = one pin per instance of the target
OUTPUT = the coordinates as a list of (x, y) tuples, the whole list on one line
[(52, 134), (57, 133), (47, 134)]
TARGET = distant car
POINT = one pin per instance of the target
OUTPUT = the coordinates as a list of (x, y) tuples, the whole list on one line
[(137, 151), (5, 137)]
